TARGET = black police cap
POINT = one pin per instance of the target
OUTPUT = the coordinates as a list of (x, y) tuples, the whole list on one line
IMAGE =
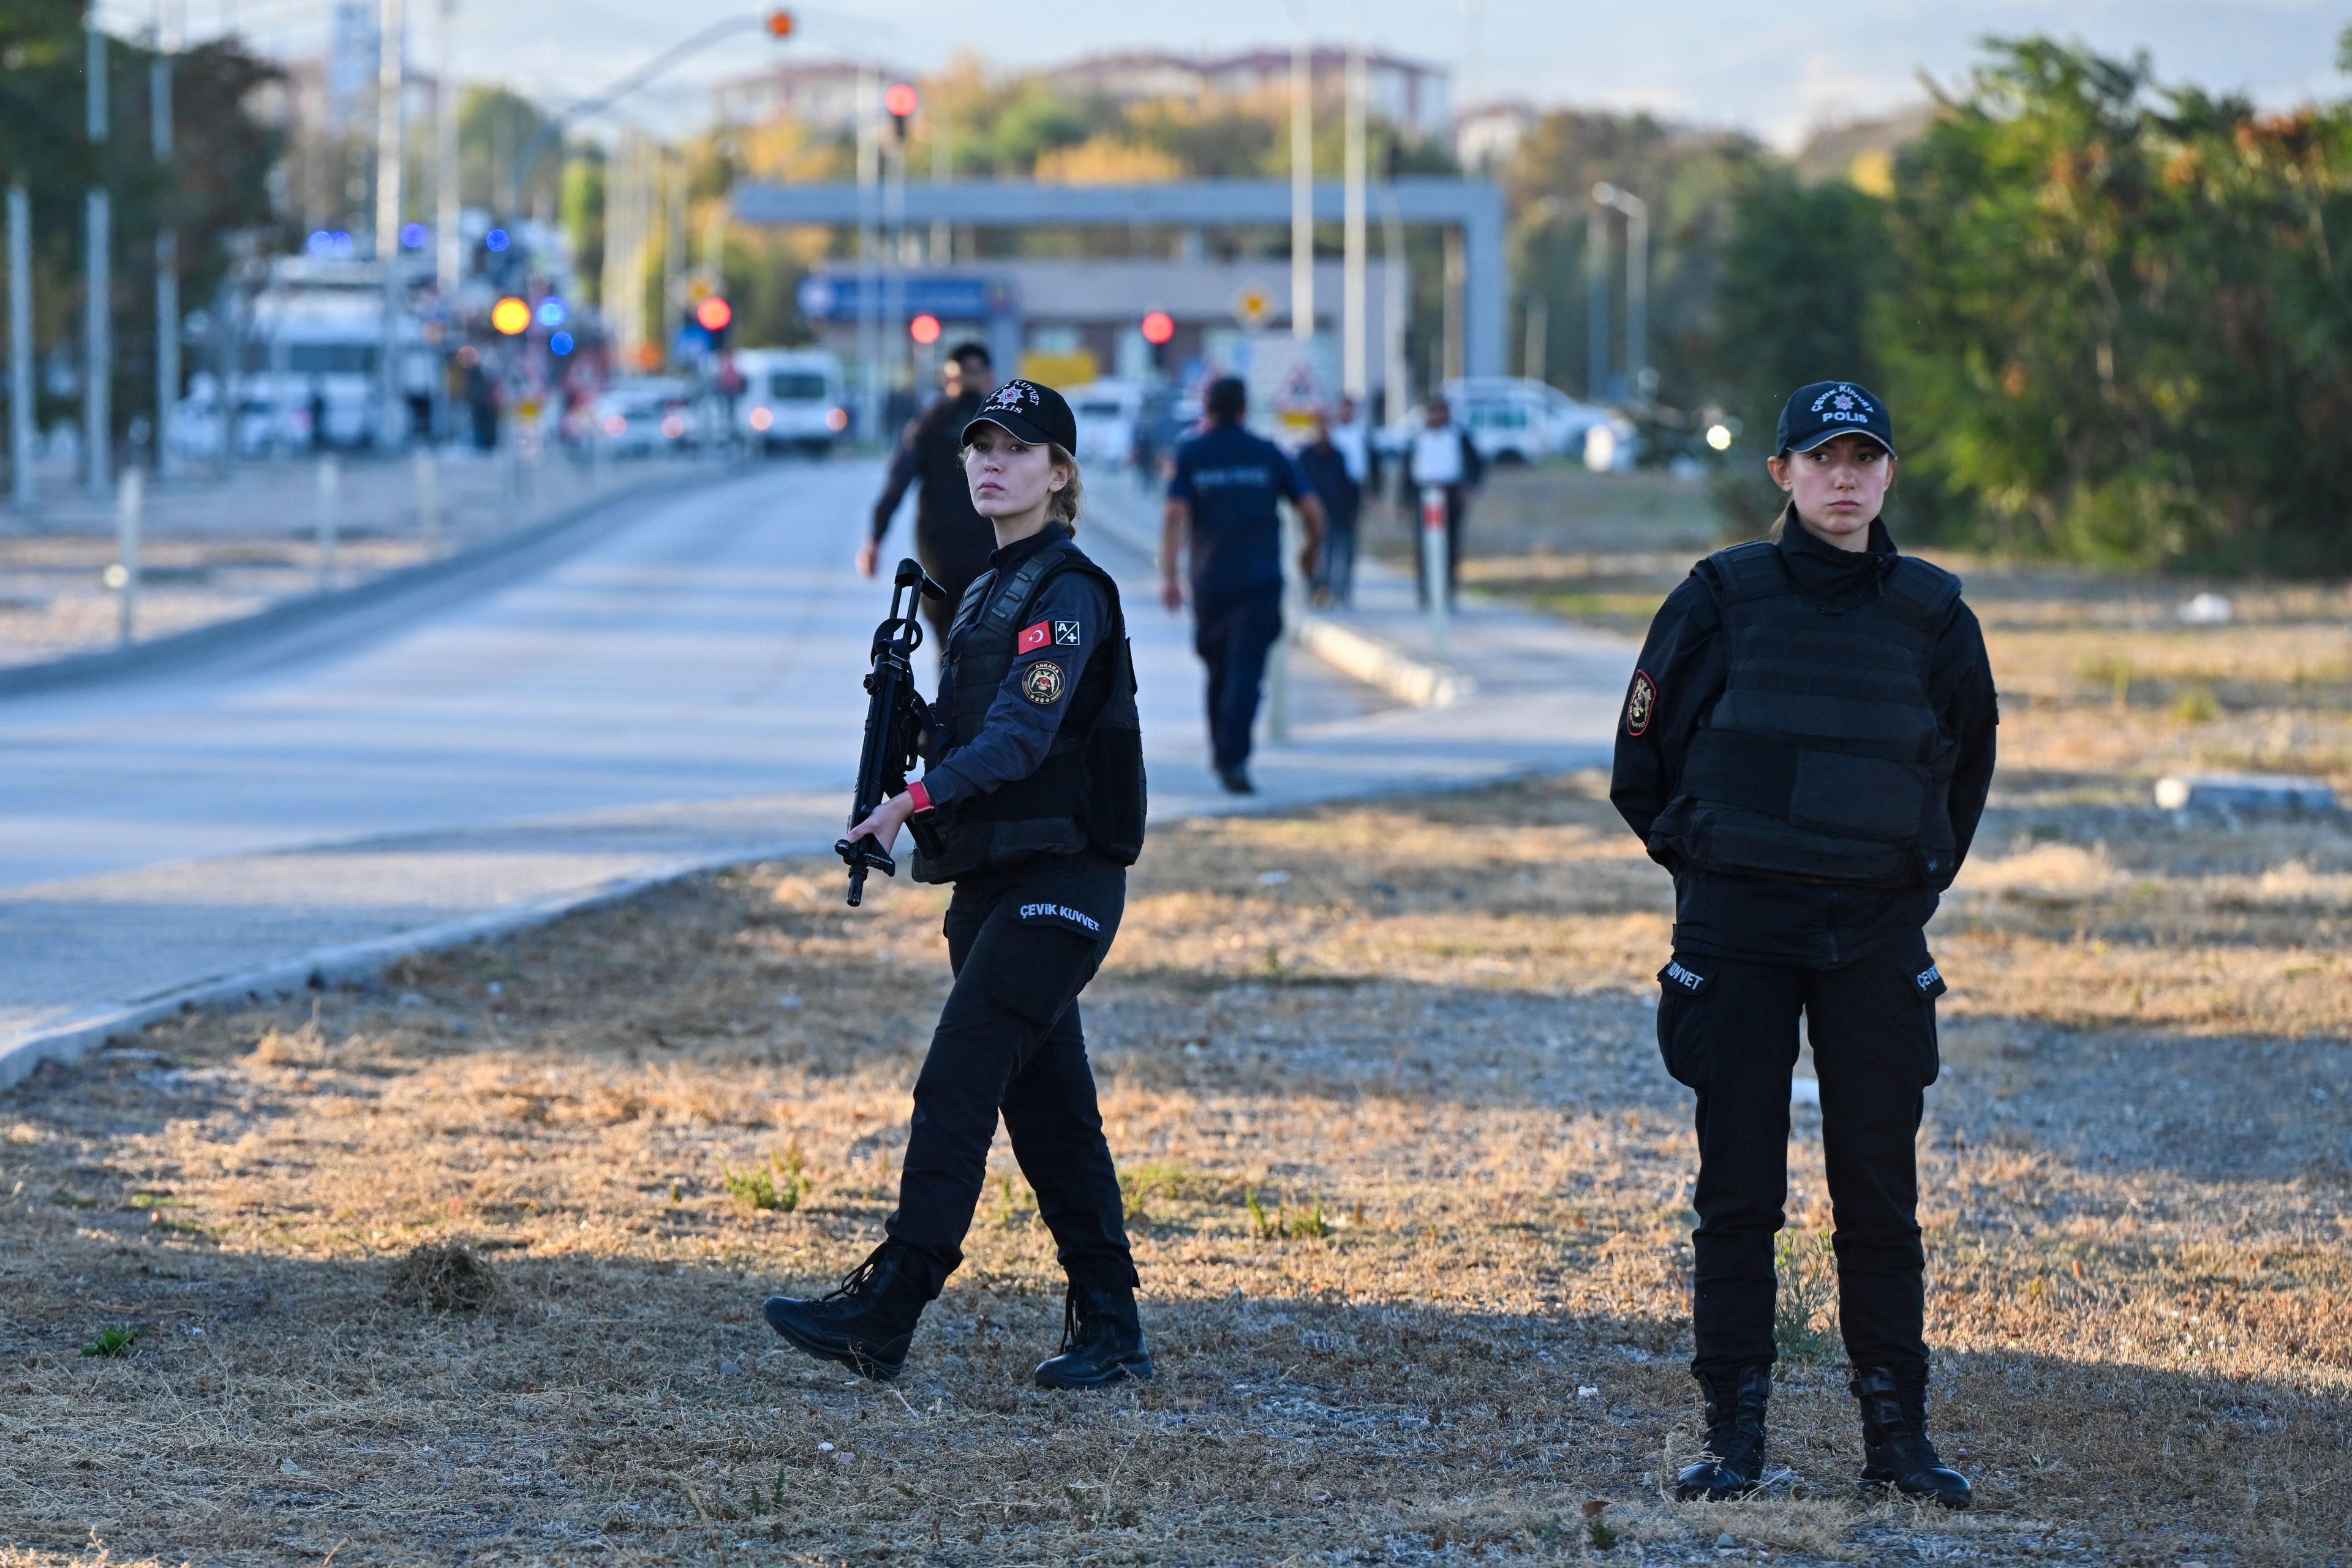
[(1033, 413), (1828, 409)]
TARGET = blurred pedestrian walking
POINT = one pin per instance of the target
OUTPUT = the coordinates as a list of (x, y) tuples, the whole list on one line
[(1338, 484), (1224, 520), (951, 540), (1441, 452)]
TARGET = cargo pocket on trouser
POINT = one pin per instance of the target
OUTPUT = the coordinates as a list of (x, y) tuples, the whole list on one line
[(1679, 987), (1928, 983)]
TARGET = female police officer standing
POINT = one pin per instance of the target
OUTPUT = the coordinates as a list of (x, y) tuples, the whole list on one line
[(1033, 807), (1806, 746)]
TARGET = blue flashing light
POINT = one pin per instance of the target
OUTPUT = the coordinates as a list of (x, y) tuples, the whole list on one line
[(552, 312), (497, 239), (560, 344), (320, 243), (414, 236), (338, 243)]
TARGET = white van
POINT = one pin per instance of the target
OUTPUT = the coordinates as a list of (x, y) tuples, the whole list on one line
[(793, 399), (1106, 412), (1510, 419)]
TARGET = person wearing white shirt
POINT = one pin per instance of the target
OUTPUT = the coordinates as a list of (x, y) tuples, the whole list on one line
[(1440, 454)]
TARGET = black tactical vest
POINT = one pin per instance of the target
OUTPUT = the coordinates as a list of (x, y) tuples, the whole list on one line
[(1824, 760), (1088, 792)]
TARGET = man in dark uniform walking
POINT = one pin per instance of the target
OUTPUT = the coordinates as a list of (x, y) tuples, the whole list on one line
[(951, 540), (1807, 745), (1221, 512)]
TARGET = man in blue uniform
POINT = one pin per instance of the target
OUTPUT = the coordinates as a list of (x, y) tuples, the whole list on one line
[(1223, 510)]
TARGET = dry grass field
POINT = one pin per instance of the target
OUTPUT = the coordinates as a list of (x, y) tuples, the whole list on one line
[(1409, 1191)]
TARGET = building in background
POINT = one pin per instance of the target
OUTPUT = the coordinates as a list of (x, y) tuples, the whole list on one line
[(820, 94), (1487, 135), (1399, 91)]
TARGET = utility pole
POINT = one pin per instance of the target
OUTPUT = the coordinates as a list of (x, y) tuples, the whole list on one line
[(1637, 285), (167, 240), (1396, 274), (943, 126), (1355, 379), (447, 255), (390, 83), (1302, 183), (20, 345), (1596, 307), (96, 319), (869, 292)]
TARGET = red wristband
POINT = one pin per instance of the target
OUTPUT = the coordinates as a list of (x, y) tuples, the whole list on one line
[(921, 796)]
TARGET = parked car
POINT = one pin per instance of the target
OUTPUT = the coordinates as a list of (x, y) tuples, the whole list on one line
[(792, 399), (1510, 419), (639, 415)]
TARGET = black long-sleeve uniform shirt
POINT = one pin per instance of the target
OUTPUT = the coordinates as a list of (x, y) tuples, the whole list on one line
[(1812, 925)]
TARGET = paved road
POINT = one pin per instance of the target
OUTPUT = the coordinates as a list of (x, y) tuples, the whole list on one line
[(673, 686)]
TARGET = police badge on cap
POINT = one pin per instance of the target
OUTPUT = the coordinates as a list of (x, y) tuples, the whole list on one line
[(1828, 409), (1033, 413)]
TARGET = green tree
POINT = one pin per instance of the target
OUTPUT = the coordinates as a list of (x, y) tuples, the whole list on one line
[(2117, 320), (215, 192), (1796, 289)]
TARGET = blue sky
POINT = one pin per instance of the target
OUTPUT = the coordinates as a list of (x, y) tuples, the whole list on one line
[(1778, 70)]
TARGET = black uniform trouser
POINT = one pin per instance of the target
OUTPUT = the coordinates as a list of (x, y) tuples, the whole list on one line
[(1232, 636), (1009, 1039), (1734, 1039)]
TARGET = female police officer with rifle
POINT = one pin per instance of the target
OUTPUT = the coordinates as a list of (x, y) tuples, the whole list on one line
[(1032, 808), (1807, 745)]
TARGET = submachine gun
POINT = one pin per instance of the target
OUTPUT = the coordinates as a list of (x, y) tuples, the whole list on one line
[(895, 718)]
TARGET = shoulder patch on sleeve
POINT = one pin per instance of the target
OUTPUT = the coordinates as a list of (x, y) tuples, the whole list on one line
[(1034, 637), (1066, 634), (1641, 704), (1043, 682)]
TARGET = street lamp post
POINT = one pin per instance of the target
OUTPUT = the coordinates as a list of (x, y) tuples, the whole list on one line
[(1302, 181), (1637, 285), (1355, 377), (391, 82)]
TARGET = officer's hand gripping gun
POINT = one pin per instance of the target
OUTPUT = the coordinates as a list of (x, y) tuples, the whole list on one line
[(896, 717)]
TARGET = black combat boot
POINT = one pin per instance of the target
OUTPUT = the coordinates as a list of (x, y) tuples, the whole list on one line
[(1895, 1448), (867, 1320), (1732, 1463), (1102, 1343)]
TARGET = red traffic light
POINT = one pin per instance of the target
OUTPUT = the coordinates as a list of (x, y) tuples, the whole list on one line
[(713, 314), (1157, 327), (779, 24), (899, 100), (924, 330)]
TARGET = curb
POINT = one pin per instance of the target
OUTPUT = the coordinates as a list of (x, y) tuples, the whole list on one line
[(292, 614), (1410, 679), (73, 1038)]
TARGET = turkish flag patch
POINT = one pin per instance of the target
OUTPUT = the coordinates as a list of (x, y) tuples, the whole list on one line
[(1036, 636)]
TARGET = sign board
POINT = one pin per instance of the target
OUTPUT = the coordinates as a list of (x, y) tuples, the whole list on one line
[(1252, 305), (951, 297)]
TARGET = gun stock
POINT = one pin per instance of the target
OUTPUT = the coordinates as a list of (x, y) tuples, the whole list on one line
[(893, 722)]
